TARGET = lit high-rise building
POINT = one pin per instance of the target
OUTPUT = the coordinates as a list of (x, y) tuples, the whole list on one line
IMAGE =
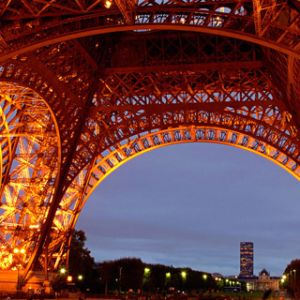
[(246, 259)]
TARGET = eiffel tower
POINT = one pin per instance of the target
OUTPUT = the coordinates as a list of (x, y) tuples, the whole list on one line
[(86, 85)]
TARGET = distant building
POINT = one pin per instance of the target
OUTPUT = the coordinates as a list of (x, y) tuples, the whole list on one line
[(266, 282), (246, 260)]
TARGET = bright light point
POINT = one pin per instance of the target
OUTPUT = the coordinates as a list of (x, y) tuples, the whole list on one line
[(22, 251), (16, 250), (168, 275), (69, 278), (34, 226), (80, 277), (62, 271), (204, 276), (107, 4), (146, 271), (183, 274)]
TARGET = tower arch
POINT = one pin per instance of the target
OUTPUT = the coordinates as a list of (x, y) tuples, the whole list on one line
[(110, 75), (229, 95), (251, 133), (30, 165)]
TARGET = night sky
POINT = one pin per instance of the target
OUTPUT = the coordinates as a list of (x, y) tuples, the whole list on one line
[(191, 205)]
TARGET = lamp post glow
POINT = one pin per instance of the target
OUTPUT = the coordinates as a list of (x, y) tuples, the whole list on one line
[(168, 275), (80, 277), (183, 275), (19, 255), (294, 278), (62, 271), (146, 278), (107, 4), (283, 279), (147, 271)]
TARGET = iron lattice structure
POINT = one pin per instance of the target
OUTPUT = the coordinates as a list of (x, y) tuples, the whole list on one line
[(86, 85)]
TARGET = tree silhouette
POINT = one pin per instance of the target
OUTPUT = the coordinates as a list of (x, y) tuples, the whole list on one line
[(292, 273), (81, 267)]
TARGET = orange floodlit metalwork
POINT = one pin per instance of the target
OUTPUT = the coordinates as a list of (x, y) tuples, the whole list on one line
[(87, 85), (29, 168)]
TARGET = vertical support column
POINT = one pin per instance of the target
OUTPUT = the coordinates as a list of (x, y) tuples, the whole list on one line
[(257, 15), (126, 7)]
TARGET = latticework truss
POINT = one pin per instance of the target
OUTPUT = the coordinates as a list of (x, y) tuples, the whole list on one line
[(30, 169), (87, 85)]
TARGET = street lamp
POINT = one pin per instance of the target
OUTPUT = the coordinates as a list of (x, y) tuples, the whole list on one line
[(294, 279), (120, 277), (19, 266), (183, 275), (147, 271), (283, 279), (168, 279), (146, 278), (80, 277), (107, 4), (62, 271), (19, 256)]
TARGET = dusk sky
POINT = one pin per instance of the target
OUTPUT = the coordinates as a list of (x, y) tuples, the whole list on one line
[(191, 205)]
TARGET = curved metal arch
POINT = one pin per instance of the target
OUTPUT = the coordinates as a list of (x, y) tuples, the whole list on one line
[(30, 144), (138, 145), (160, 17), (109, 160), (9, 111), (257, 114), (69, 207), (43, 83), (144, 27), (9, 117)]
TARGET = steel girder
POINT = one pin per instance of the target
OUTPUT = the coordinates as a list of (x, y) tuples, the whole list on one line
[(28, 26), (110, 97)]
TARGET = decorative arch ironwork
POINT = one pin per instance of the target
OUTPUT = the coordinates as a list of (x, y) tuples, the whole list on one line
[(266, 131), (30, 162), (229, 94), (240, 133), (129, 74)]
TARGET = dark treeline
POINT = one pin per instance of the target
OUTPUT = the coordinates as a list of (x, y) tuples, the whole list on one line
[(124, 274), (292, 278), (132, 274), (129, 274)]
